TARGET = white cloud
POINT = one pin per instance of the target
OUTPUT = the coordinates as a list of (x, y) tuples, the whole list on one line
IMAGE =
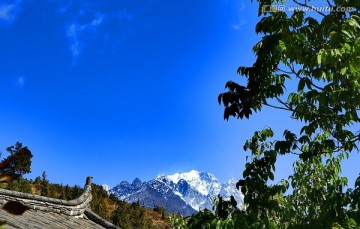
[(75, 49), (241, 7), (87, 21), (9, 11), (78, 33), (97, 21), (72, 34)]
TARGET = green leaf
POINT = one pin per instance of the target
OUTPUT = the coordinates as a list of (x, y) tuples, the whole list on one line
[(347, 35), (320, 56), (352, 22), (282, 45), (308, 83), (343, 71), (301, 84), (271, 176)]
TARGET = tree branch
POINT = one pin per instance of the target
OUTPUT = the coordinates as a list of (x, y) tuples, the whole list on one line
[(329, 3), (310, 7), (283, 71), (298, 76), (276, 107)]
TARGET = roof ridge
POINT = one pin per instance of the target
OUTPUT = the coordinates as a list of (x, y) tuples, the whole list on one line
[(78, 208), (96, 218), (74, 207)]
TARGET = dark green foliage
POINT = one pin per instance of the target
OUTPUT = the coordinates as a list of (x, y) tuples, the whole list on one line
[(308, 66), (108, 207), (75, 192), (128, 216), (131, 217), (44, 185), (20, 185), (98, 204), (226, 216), (11, 168), (19, 160)]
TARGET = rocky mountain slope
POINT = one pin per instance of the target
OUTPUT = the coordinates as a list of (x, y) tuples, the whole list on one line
[(183, 193)]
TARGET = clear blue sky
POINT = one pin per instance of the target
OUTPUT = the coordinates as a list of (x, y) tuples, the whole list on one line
[(119, 89)]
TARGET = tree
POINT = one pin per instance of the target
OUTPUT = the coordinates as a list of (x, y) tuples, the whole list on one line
[(161, 210), (131, 216), (20, 185), (319, 54), (11, 168), (19, 160), (44, 185), (97, 203)]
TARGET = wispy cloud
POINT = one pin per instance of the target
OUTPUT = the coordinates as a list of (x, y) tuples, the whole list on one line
[(9, 11), (73, 36), (78, 33), (240, 7), (92, 20), (239, 25)]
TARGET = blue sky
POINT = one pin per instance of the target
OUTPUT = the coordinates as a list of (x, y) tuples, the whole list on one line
[(126, 88)]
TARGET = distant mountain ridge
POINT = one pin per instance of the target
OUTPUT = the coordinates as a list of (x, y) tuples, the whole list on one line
[(183, 193)]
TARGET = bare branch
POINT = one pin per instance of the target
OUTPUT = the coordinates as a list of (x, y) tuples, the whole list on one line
[(328, 2), (276, 107)]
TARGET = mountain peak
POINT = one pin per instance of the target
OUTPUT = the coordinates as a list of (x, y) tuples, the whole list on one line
[(203, 182), (106, 187), (136, 183), (180, 192), (191, 175)]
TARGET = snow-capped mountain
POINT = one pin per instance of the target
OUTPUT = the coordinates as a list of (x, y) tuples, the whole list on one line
[(106, 187), (185, 193)]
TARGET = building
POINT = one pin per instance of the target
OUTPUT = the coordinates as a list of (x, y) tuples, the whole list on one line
[(51, 213)]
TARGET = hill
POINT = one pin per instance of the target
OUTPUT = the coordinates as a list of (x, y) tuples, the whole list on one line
[(109, 207)]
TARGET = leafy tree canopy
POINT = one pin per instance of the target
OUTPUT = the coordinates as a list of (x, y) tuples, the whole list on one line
[(319, 52), (11, 168), (19, 160)]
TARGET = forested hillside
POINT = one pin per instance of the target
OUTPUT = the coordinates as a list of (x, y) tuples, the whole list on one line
[(120, 213)]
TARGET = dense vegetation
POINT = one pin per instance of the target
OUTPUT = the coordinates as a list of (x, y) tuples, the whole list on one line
[(127, 216), (18, 161), (307, 64), (109, 207)]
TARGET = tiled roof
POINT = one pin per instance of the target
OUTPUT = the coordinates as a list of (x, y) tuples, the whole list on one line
[(50, 213)]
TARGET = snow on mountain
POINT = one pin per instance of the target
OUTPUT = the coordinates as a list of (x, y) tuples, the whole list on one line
[(204, 183), (180, 192), (199, 189), (106, 187), (125, 189)]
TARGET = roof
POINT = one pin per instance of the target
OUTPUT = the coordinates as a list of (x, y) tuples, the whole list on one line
[(51, 213)]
